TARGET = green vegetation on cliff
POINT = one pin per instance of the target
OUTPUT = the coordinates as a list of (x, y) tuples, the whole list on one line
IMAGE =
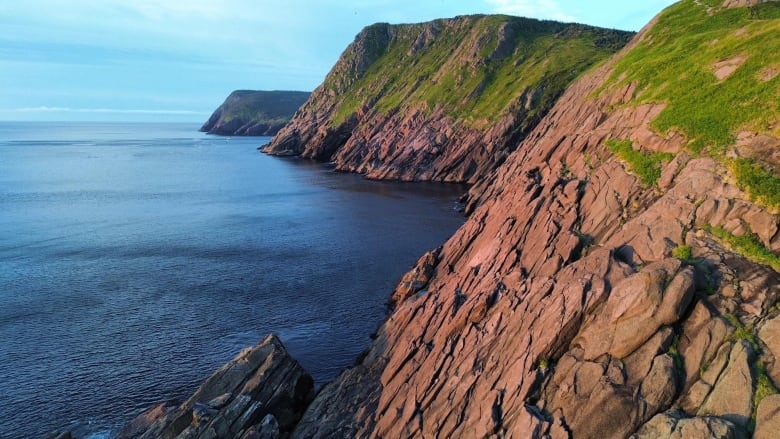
[(747, 246), (250, 112), (762, 185), (645, 165), (473, 68), (716, 70)]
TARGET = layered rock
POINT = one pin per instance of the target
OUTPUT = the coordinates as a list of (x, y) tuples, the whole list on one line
[(596, 291), (259, 394), (254, 113), (560, 310), (446, 100)]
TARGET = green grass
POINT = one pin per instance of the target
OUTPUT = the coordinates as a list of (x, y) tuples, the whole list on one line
[(762, 185), (272, 107), (742, 332), (763, 388), (468, 70), (747, 246), (764, 385), (674, 352), (674, 65), (643, 164), (683, 253)]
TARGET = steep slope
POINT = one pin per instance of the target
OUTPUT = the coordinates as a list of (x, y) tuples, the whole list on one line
[(619, 275), (254, 113), (445, 100)]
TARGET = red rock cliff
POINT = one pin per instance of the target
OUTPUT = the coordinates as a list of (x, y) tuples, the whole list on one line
[(579, 299), (617, 276), (441, 101)]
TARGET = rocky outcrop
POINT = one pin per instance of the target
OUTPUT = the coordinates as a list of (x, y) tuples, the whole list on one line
[(742, 3), (768, 418), (560, 310), (259, 394), (446, 100), (594, 291), (674, 425), (254, 113)]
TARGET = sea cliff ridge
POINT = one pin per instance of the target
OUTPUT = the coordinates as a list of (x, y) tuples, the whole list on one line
[(254, 112), (445, 100), (618, 274)]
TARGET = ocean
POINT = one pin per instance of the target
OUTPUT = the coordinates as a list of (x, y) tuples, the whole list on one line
[(135, 259)]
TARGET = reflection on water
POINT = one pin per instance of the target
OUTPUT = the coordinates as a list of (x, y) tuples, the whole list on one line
[(137, 258)]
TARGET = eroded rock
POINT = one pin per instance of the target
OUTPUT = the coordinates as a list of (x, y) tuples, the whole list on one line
[(770, 335), (417, 278), (557, 310), (768, 418), (259, 394), (674, 425), (637, 307), (417, 139), (730, 397)]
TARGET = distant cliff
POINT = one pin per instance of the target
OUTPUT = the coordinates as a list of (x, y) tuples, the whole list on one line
[(445, 100), (254, 113)]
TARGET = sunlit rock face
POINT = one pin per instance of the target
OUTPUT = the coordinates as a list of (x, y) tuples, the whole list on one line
[(261, 393), (613, 280), (445, 100), (578, 300)]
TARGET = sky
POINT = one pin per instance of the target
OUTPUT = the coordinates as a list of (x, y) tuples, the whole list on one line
[(177, 60)]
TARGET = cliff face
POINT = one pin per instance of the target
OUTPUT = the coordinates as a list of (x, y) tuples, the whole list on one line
[(446, 100), (259, 394), (254, 113), (618, 276)]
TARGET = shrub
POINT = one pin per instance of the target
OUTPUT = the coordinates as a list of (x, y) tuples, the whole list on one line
[(683, 252), (761, 185)]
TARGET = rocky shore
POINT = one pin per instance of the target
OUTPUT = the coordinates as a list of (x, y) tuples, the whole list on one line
[(617, 276), (260, 394)]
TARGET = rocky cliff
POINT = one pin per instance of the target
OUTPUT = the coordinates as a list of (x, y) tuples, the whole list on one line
[(260, 394), (618, 275), (443, 101), (254, 113)]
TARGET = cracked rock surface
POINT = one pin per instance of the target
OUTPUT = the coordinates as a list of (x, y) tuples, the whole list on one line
[(558, 309), (261, 393)]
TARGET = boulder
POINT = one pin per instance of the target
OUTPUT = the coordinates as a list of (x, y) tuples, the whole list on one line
[(674, 425), (261, 393), (417, 278), (731, 397), (770, 335), (637, 308), (768, 418)]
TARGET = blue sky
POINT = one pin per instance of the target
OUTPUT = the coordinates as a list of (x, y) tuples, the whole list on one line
[(176, 60)]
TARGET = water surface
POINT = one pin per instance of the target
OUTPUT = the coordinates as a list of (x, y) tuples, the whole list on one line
[(135, 259)]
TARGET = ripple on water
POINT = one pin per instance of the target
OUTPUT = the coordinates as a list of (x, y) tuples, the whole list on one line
[(138, 259)]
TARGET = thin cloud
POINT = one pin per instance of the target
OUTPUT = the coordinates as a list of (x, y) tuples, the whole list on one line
[(548, 9), (44, 109)]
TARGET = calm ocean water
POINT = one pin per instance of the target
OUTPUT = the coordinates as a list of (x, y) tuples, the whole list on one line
[(136, 259)]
